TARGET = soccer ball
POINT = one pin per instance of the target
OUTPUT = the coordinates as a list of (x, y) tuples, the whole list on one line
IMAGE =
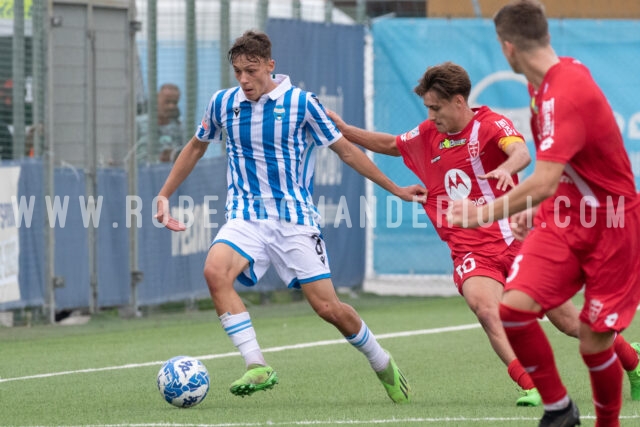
[(183, 381)]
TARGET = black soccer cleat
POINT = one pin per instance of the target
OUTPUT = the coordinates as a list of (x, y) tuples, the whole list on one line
[(567, 417)]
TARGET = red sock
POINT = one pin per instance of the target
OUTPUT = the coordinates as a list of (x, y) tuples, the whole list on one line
[(627, 354), (534, 352), (519, 375), (605, 372)]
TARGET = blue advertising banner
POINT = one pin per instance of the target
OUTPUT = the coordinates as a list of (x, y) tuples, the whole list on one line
[(32, 248), (173, 263)]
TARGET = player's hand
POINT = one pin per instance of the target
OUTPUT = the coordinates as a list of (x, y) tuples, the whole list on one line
[(462, 213), (165, 218), (505, 180), (336, 119), (522, 222), (413, 193)]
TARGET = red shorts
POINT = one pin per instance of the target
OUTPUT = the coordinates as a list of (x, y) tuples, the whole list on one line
[(554, 264), (494, 266)]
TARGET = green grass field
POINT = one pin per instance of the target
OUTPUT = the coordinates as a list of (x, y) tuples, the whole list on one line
[(103, 373)]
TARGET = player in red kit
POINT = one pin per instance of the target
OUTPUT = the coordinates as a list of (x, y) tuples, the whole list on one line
[(462, 152), (586, 229)]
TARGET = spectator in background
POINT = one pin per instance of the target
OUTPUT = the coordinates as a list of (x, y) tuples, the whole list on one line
[(6, 145), (6, 119), (170, 132), (6, 124)]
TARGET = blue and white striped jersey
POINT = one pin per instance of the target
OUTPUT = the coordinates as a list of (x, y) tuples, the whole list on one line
[(270, 150)]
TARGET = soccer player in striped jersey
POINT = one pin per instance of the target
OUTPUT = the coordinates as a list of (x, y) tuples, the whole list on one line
[(586, 228), (273, 130), (469, 153)]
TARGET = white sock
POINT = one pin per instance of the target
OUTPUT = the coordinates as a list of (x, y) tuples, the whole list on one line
[(556, 406), (366, 342), (243, 336)]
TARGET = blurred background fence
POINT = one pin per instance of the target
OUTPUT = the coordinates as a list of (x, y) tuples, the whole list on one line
[(98, 97)]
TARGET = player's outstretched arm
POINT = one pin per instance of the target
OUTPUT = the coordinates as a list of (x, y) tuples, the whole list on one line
[(186, 161), (377, 142), (354, 157)]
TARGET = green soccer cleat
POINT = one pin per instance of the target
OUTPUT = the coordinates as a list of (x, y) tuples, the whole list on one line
[(256, 378), (634, 376), (394, 382), (529, 397)]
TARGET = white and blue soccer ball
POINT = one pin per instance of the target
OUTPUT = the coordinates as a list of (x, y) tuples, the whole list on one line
[(183, 381)]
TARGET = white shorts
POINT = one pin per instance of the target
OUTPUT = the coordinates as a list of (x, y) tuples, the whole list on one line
[(297, 252)]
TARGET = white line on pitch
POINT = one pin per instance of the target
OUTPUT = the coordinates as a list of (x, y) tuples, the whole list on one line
[(267, 350), (400, 421)]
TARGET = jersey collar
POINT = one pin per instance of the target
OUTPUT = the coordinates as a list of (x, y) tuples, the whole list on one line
[(284, 84)]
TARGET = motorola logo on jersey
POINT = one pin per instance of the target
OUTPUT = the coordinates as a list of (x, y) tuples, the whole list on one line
[(457, 184), (278, 112)]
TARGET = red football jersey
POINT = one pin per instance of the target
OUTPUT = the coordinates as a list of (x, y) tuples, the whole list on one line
[(449, 166), (578, 128)]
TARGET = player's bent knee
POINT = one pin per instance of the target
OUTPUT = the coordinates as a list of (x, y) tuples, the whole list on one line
[(217, 278), (486, 315)]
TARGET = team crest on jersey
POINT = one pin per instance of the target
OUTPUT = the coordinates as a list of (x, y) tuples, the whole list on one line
[(474, 148), (278, 112), (410, 135), (450, 143), (565, 179), (457, 184)]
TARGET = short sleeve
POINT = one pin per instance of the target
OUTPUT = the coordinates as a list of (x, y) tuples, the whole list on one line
[(209, 128), (322, 129)]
